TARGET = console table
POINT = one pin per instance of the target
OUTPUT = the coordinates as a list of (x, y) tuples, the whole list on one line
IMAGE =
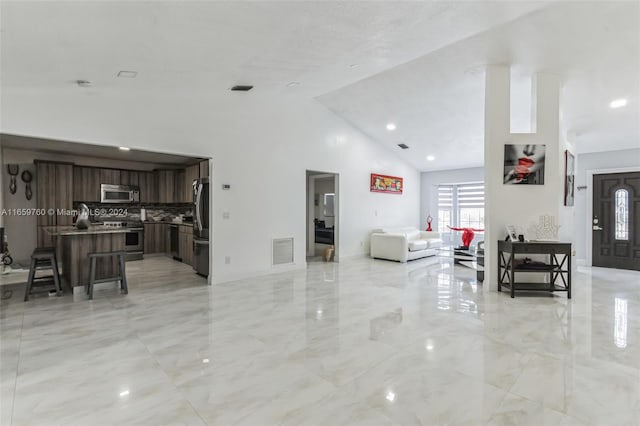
[(558, 266)]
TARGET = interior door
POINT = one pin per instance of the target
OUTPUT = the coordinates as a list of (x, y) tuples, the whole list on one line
[(616, 220)]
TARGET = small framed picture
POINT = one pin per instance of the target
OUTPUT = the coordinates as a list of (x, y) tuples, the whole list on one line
[(511, 230)]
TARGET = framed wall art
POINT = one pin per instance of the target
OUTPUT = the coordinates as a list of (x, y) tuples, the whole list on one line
[(386, 184), (569, 177), (524, 164)]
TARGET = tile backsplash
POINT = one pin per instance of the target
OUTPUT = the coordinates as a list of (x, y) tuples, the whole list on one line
[(101, 212)]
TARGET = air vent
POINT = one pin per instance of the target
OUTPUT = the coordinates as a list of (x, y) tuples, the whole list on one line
[(241, 88), (282, 251), (403, 146)]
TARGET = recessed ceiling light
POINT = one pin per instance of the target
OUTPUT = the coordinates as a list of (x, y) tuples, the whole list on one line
[(205, 361), (127, 74), (293, 84), (618, 103), (430, 158), (124, 148), (353, 65), (391, 127), (84, 83), (124, 393)]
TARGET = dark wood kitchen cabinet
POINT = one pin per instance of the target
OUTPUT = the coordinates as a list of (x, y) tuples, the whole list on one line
[(54, 196), (204, 168), (166, 182), (156, 237), (170, 186), (148, 187), (178, 185), (86, 184), (129, 177), (110, 176), (54, 190), (185, 244), (191, 173)]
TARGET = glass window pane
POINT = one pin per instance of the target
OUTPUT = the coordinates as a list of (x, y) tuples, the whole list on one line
[(622, 214)]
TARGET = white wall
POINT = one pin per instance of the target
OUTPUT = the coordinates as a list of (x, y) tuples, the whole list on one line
[(260, 144), (21, 230), (429, 182), (595, 161)]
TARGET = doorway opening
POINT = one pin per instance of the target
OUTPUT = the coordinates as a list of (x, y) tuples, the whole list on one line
[(322, 216)]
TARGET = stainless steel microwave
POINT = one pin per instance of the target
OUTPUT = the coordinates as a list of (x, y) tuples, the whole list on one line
[(119, 194)]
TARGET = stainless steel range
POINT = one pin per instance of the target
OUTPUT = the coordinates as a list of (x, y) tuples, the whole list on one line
[(133, 238)]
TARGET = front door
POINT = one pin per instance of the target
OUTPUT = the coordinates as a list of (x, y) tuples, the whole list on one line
[(616, 220)]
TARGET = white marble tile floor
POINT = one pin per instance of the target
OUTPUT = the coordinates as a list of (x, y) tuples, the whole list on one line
[(362, 342)]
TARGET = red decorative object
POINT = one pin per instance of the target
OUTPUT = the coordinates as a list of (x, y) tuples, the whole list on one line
[(388, 184), (429, 220), (467, 234)]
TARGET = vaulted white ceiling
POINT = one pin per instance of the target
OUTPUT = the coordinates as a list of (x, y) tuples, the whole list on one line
[(419, 64), (437, 100)]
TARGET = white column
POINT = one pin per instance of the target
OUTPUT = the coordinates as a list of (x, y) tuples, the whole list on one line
[(518, 205)]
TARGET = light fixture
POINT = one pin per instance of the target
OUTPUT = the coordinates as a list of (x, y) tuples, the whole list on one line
[(391, 127), (127, 74), (84, 83), (124, 393), (124, 148), (353, 65), (429, 346), (430, 158), (618, 103), (390, 396), (293, 84), (205, 361)]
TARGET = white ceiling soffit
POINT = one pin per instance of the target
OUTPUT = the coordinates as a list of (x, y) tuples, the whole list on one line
[(437, 101), (49, 146)]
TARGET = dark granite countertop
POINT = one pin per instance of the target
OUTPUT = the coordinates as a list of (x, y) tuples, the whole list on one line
[(93, 229)]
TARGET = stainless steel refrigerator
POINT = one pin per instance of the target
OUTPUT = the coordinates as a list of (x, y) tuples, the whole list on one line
[(201, 222)]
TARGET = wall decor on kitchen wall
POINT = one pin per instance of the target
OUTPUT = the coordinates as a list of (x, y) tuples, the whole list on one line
[(13, 170), (27, 177), (524, 164), (569, 177), (387, 184)]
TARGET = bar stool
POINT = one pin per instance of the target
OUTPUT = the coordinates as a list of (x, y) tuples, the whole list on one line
[(43, 258), (122, 276)]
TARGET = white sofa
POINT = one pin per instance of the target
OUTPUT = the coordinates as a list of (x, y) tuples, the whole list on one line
[(404, 244)]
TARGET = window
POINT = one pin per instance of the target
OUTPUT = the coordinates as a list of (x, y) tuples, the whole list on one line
[(471, 206), (622, 214), (328, 205), (445, 206), (460, 205)]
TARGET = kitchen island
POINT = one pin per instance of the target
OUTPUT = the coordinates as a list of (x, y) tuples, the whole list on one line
[(74, 246)]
